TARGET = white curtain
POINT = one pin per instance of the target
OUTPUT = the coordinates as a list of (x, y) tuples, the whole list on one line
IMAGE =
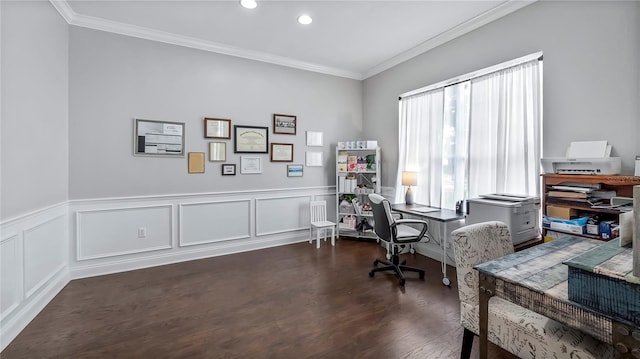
[(504, 146), (420, 144), (475, 137)]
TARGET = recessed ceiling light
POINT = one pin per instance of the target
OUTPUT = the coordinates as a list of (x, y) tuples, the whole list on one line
[(305, 19), (248, 4)]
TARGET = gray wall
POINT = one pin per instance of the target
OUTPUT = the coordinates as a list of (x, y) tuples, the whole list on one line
[(34, 107), (591, 74), (114, 79)]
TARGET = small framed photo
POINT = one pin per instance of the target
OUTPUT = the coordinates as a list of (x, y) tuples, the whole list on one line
[(314, 138), (314, 159), (284, 124), (196, 162), (294, 170), (228, 169), (217, 151), (217, 128), (250, 164), (251, 139), (281, 152)]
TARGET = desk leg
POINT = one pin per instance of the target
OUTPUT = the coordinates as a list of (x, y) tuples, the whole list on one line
[(486, 290), (443, 239)]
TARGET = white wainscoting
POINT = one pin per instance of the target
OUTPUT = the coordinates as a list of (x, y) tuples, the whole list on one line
[(33, 266), (115, 232), (185, 227), (210, 222)]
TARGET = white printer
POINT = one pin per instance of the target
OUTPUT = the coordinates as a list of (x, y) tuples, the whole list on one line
[(584, 158), (519, 213)]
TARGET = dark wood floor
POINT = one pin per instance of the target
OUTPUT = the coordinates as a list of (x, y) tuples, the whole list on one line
[(293, 301)]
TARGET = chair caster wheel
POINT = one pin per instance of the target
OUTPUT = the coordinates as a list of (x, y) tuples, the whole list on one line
[(421, 275), (412, 251), (388, 256), (446, 281), (402, 282), (371, 274), (375, 263)]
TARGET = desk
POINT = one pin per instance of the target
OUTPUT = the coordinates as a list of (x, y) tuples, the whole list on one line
[(536, 279), (442, 216)]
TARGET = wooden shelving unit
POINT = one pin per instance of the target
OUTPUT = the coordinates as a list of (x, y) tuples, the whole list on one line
[(623, 185)]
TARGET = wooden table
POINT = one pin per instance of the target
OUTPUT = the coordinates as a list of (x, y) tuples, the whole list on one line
[(442, 216), (536, 279)]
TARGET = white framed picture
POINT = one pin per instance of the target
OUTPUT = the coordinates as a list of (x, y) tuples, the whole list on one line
[(250, 164), (314, 138), (314, 159)]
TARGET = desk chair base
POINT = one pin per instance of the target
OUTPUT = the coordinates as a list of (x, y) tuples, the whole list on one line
[(396, 266)]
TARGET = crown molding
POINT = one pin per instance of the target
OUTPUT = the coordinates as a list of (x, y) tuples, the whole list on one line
[(115, 27), (466, 27), (91, 22)]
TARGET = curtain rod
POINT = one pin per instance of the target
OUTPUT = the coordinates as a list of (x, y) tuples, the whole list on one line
[(475, 74)]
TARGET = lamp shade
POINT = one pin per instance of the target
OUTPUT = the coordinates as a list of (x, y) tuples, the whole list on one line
[(409, 178)]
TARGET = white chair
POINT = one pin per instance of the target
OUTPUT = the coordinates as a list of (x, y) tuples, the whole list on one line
[(318, 217), (527, 334)]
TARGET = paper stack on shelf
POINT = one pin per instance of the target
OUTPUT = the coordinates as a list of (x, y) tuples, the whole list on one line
[(580, 195)]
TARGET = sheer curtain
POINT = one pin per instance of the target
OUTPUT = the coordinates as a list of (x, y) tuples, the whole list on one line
[(420, 144), (504, 146), (474, 137)]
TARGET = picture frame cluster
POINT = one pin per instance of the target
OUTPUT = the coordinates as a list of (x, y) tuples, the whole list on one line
[(167, 139)]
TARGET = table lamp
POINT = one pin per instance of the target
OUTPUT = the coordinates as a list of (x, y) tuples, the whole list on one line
[(409, 179)]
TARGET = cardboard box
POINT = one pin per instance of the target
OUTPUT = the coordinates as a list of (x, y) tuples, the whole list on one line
[(561, 212), (569, 228)]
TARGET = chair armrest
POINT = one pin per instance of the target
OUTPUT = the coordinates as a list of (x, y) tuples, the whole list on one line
[(399, 214), (423, 231)]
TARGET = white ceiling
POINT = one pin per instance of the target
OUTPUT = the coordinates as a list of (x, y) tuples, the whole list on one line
[(353, 39)]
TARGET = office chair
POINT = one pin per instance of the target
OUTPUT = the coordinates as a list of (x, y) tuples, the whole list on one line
[(518, 330), (318, 220), (397, 234)]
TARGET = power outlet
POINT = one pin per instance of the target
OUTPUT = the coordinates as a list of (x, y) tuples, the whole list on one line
[(142, 232)]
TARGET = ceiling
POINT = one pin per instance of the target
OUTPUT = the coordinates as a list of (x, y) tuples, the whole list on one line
[(353, 39)]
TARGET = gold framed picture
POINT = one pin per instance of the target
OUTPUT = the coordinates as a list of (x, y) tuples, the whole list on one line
[(196, 162)]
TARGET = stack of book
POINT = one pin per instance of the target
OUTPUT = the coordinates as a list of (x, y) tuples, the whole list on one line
[(582, 195)]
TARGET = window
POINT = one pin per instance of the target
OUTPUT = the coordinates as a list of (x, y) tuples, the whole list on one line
[(476, 134)]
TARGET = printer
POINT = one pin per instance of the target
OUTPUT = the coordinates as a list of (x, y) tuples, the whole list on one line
[(584, 158), (519, 213)]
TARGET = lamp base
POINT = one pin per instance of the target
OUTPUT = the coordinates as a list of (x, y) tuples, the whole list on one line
[(408, 197)]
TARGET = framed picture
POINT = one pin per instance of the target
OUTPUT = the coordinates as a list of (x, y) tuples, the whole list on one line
[(196, 162), (217, 128), (314, 159), (250, 164), (314, 138), (294, 170), (228, 169), (158, 138), (217, 151), (284, 124), (281, 152), (251, 139)]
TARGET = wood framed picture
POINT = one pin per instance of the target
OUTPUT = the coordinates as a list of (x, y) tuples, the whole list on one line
[(217, 151), (228, 169), (281, 152), (196, 162), (284, 124), (294, 170), (251, 139), (217, 128), (250, 164), (158, 138)]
